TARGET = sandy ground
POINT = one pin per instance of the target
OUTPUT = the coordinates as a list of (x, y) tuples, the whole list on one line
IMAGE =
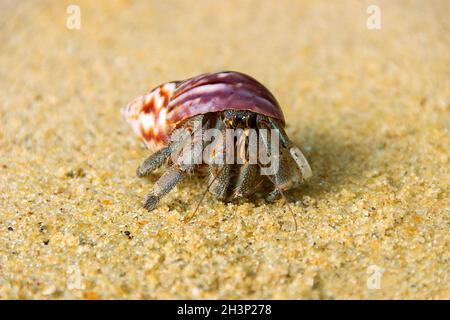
[(370, 108)]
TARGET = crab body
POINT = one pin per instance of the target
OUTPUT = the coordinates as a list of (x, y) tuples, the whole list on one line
[(223, 102)]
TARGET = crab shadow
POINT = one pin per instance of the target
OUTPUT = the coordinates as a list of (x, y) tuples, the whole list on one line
[(335, 160)]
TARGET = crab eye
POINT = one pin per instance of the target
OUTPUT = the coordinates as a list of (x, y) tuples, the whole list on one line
[(246, 119), (228, 122)]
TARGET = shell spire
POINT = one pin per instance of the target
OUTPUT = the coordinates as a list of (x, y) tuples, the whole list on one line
[(147, 115)]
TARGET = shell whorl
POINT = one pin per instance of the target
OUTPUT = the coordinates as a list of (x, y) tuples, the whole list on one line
[(215, 92), (147, 115), (154, 115)]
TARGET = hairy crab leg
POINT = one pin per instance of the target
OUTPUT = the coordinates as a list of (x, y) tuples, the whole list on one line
[(163, 186), (154, 161), (174, 174), (294, 151), (221, 181), (283, 177), (248, 174), (220, 174)]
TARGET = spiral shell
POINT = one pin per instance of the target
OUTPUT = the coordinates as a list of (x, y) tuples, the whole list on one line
[(154, 115)]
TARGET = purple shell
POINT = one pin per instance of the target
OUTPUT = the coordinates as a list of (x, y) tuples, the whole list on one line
[(215, 92), (154, 115)]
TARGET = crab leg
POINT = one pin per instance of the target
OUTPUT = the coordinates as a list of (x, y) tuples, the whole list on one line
[(283, 177), (220, 183), (246, 180), (220, 174), (172, 176), (294, 151), (154, 161), (163, 186)]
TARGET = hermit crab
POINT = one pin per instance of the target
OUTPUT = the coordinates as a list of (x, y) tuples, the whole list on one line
[(226, 125)]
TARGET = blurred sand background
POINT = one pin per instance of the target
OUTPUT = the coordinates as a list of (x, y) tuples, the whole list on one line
[(370, 109)]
